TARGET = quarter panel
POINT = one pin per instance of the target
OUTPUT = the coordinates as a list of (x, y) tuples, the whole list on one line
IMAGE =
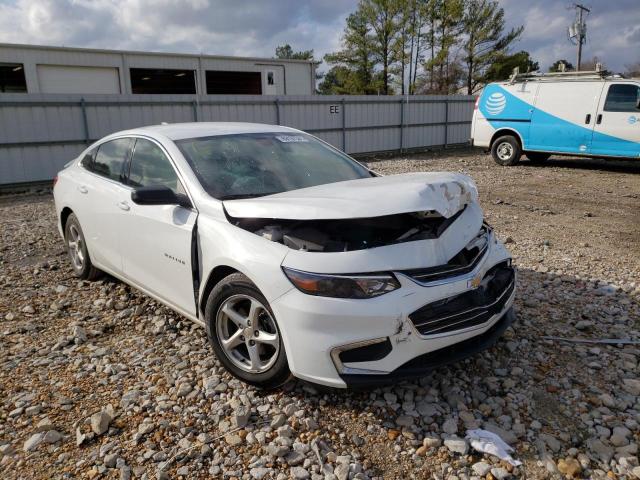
[(506, 106)]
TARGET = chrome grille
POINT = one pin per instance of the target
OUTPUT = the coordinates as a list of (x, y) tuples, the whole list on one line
[(470, 308), (464, 262)]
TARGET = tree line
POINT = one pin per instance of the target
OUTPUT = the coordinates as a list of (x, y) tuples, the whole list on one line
[(424, 47)]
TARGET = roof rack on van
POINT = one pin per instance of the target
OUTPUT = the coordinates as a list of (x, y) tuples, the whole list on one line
[(598, 73)]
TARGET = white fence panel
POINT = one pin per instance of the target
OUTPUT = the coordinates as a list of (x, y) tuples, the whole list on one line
[(39, 133)]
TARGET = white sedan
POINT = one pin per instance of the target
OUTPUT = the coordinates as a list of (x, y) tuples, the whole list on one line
[(296, 258)]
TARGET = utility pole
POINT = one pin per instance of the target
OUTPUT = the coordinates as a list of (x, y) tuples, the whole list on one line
[(580, 31)]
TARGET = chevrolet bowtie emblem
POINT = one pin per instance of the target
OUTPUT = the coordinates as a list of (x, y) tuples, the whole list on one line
[(475, 282)]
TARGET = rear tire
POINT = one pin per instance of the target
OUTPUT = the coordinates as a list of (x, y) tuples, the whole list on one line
[(506, 150), (78, 252), (244, 334), (538, 157)]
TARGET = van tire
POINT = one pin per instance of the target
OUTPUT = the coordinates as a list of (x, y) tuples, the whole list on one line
[(538, 157), (506, 150)]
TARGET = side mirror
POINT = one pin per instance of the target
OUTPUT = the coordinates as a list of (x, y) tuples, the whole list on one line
[(159, 195), (638, 104)]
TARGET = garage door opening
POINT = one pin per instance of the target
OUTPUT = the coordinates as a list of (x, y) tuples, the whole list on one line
[(78, 79), (221, 82), (159, 81), (12, 78)]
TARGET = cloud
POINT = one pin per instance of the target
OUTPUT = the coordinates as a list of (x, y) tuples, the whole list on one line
[(242, 27), (256, 27), (613, 31)]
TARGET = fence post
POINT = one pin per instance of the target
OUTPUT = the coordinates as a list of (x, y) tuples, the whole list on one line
[(277, 104), (446, 122), (401, 125), (194, 104), (85, 122), (344, 125)]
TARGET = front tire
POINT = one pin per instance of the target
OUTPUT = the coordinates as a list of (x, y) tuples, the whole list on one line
[(244, 334), (538, 157), (506, 150), (78, 252)]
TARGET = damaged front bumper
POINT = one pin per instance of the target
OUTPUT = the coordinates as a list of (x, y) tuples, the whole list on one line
[(426, 322), (423, 364)]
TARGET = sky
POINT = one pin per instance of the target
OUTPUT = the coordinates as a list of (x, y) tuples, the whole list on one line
[(256, 27)]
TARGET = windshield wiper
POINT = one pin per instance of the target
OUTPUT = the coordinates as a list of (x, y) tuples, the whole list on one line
[(239, 196)]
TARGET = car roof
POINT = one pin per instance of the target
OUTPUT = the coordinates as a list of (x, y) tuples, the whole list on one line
[(177, 131)]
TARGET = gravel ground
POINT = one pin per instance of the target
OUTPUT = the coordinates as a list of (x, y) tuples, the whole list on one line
[(99, 381)]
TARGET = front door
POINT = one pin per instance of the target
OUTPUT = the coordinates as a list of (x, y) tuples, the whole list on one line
[(564, 116), (156, 239), (617, 128)]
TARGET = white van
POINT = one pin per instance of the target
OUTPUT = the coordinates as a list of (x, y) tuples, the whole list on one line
[(572, 113)]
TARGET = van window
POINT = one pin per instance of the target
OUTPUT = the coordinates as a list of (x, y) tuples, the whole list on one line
[(110, 158), (622, 98), (151, 167)]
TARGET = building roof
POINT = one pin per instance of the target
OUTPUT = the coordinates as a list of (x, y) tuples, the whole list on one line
[(139, 52)]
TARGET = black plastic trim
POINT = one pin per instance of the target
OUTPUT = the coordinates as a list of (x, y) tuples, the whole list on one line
[(195, 265), (367, 353)]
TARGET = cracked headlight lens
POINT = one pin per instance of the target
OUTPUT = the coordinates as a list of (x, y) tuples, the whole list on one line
[(342, 286)]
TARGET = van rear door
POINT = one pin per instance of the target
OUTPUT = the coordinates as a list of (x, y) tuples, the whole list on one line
[(564, 116), (617, 126)]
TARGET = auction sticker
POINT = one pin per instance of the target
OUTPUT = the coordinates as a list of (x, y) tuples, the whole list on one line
[(291, 138)]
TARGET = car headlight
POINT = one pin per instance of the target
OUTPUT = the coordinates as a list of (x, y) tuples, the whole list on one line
[(342, 286)]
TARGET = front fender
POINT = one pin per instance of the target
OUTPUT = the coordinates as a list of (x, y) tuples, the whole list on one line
[(223, 244)]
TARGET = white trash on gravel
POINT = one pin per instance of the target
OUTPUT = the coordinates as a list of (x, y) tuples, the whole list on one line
[(488, 442)]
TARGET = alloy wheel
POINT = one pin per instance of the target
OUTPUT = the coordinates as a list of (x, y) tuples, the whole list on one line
[(74, 245), (247, 333)]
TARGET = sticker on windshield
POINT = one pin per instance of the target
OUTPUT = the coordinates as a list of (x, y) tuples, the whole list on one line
[(291, 138)]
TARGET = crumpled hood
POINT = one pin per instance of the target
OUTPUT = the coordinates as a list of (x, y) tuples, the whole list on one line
[(443, 192)]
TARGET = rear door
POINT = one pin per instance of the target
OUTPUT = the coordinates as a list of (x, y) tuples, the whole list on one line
[(617, 126), (99, 190), (156, 239), (564, 116)]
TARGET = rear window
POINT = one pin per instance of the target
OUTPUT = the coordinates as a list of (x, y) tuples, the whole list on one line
[(622, 98), (109, 159)]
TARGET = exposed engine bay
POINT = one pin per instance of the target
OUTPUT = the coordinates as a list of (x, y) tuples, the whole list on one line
[(344, 235)]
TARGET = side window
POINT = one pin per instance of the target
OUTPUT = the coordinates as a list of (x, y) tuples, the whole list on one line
[(622, 98), (151, 167), (110, 158), (87, 159)]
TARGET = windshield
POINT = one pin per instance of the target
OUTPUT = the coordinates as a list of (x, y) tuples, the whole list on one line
[(256, 164)]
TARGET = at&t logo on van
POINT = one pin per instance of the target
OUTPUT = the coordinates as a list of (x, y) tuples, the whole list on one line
[(632, 120), (495, 103)]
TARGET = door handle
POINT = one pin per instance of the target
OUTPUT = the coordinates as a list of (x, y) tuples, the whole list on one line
[(83, 189), (588, 119), (123, 206), (599, 119)]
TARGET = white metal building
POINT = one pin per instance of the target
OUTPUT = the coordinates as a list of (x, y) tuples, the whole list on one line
[(41, 69)]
